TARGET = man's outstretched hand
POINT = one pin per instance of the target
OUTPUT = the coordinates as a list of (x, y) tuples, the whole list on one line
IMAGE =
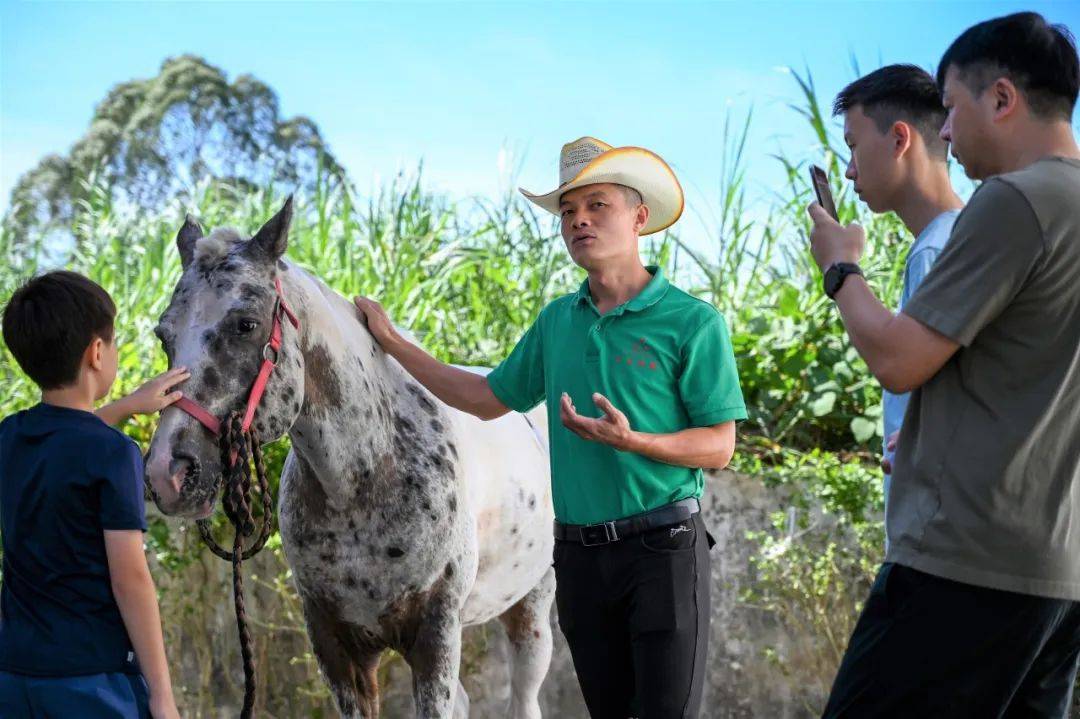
[(612, 429)]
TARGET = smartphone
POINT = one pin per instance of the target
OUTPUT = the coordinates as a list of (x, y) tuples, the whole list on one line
[(820, 181)]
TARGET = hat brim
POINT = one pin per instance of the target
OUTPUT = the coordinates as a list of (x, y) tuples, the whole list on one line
[(634, 167)]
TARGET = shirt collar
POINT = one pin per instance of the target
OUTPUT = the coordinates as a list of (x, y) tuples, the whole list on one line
[(649, 295)]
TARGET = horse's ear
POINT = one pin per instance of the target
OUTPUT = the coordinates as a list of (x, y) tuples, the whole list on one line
[(186, 238), (272, 239)]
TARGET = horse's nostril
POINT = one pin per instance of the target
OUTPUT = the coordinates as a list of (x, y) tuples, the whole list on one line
[(183, 466)]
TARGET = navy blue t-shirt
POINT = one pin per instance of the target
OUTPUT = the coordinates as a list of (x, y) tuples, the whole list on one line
[(65, 476)]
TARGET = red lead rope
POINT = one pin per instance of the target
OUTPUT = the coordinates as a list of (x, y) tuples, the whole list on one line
[(270, 358)]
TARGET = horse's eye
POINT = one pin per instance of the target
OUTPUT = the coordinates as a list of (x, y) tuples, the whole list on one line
[(245, 325)]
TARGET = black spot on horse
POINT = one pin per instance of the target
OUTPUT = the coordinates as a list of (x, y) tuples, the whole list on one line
[(436, 425), (449, 571), (394, 552), (453, 503), (322, 386), (532, 501), (252, 293), (452, 448), (350, 580), (211, 378), (404, 424)]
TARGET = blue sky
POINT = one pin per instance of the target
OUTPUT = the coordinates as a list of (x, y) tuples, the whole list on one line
[(461, 85)]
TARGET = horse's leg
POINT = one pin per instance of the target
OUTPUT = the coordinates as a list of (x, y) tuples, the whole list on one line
[(351, 674), (435, 657), (528, 626)]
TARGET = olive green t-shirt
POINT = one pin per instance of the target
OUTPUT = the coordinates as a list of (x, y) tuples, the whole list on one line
[(986, 488), (663, 358)]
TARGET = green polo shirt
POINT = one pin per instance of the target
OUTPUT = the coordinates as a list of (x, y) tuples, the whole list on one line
[(664, 359)]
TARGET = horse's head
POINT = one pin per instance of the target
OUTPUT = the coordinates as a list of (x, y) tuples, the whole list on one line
[(217, 325)]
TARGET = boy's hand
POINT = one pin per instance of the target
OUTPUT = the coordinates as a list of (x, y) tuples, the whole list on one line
[(164, 708), (156, 394), (377, 321)]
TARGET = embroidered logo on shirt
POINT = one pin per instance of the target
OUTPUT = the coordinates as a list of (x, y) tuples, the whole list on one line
[(680, 528), (641, 355)]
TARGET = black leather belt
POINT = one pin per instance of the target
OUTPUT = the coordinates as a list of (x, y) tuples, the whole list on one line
[(607, 532)]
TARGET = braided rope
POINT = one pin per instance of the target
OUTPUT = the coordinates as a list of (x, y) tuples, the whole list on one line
[(239, 450)]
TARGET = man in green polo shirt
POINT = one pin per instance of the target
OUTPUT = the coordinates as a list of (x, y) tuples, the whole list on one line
[(642, 394)]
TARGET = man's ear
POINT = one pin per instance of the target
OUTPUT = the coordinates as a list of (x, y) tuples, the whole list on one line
[(902, 135), (641, 218), (1006, 97)]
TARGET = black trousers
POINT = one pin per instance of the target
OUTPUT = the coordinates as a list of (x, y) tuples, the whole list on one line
[(930, 647), (636, 616)]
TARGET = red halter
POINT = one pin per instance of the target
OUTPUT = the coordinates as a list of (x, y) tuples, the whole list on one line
[(270, 358)]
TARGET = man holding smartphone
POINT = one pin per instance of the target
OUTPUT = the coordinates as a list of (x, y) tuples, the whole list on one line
[(976, 610), (642, 393), (899, 163)]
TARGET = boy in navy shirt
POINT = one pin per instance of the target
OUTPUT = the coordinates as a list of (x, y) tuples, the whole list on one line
[(80, 630)]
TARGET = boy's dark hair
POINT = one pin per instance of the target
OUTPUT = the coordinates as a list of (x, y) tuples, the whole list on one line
[(51, 320), (1039, 58), (899, 93)]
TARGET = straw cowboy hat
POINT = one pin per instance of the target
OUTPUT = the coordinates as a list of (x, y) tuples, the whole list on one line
[(588, 161)]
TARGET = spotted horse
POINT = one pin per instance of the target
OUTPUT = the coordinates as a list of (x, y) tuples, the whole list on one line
[(403, 520)]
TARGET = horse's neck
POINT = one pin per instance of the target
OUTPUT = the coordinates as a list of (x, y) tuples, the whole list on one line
[(350, 387)]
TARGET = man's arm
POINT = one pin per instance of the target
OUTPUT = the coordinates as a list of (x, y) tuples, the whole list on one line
[(901, 352), (705, 447), (135, 595), (459, 388)]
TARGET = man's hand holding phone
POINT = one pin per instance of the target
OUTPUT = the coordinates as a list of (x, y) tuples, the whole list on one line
[(830, 242)]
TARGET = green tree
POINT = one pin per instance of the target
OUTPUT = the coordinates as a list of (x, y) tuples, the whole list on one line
[(152, 140)]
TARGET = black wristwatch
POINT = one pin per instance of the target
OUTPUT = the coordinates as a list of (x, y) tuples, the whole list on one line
[(836, 274)]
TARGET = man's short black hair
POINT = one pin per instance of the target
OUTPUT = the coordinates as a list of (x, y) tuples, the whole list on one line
[(1039, 58), (895, 93), (51, 320)]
